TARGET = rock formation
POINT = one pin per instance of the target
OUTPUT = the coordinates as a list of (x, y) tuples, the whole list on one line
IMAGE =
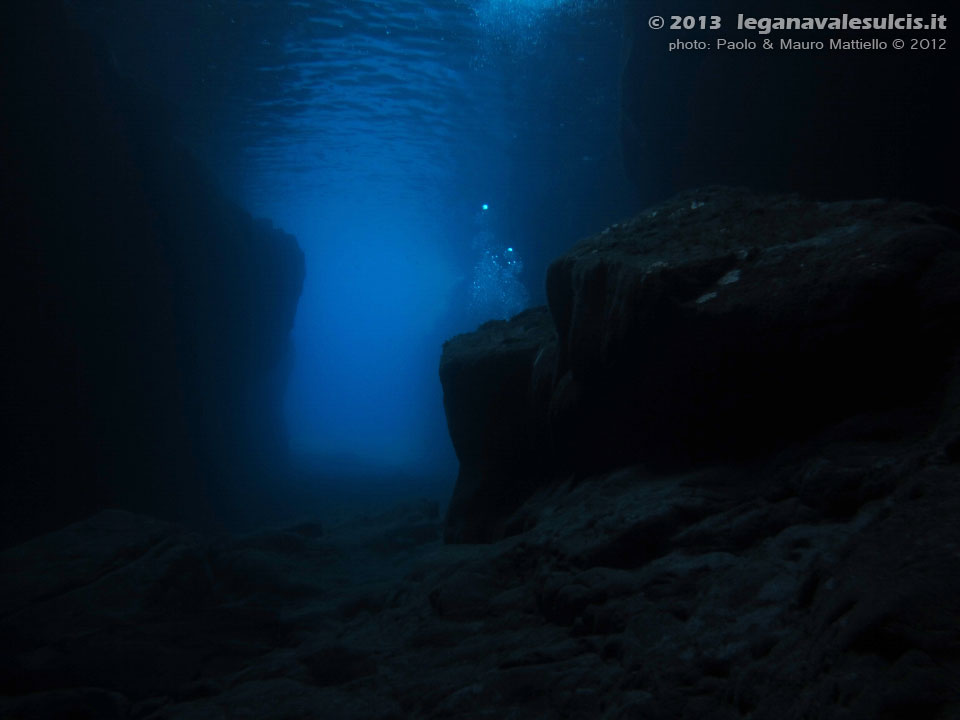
[(720, 327), (494, 415), (147, 316)]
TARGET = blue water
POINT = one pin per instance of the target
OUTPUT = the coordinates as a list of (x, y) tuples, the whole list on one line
[(431, 158)]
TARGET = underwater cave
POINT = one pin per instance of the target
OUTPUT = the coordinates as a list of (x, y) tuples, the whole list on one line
[(535, 359)]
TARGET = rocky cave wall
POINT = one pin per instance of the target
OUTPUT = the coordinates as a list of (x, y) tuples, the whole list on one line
[(147, 315)]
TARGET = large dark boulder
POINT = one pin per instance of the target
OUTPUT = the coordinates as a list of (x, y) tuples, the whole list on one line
[(496, 385), (147, 316), (829, 124), (724, 324), (719, 327)]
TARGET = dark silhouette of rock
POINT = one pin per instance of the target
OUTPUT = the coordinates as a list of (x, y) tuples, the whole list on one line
[(723, 324), (147, 316), (496, 420), (828, 124), (719, 327)]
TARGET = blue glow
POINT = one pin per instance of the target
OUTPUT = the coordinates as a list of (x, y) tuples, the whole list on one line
[(374, 162), (367, 337)]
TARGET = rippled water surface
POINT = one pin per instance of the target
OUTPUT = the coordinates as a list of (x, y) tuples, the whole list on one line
[(304, 95)]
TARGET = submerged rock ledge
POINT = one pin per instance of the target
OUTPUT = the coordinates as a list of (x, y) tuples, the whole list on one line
[(720, 327)]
